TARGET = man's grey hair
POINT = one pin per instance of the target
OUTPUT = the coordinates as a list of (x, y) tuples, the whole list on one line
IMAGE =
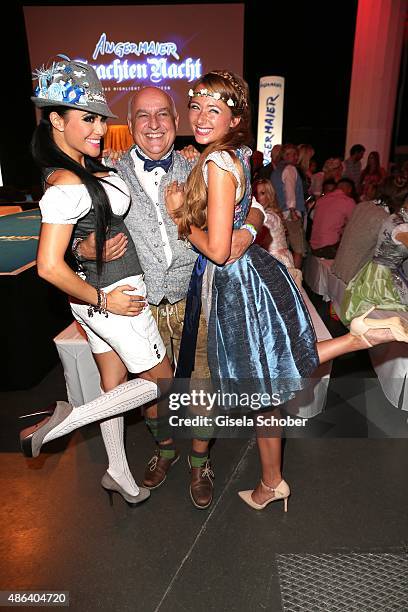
[(130, 102)]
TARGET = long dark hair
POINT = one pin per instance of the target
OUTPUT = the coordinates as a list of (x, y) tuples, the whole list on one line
[(49, 156)]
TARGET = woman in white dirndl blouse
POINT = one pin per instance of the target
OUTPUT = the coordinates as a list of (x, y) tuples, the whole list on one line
[(107, 299)]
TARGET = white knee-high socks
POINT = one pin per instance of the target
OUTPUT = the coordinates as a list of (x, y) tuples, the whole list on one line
[(113, 437), (124, 397)]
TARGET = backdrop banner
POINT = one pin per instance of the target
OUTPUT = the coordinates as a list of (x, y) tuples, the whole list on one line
[(270, 114), (163, 45)]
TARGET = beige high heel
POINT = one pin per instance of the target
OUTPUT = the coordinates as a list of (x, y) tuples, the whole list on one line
[(111, 486), (361, 325), (282, 491), (31, 438)]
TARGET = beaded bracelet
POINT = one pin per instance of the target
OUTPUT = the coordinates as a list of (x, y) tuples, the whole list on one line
[(75, 247), (101, 306), (251, 229)]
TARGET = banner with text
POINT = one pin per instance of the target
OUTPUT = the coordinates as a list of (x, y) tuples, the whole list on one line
[(270, 114), (130, 47)]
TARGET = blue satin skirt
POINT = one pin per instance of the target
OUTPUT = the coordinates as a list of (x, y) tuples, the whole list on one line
[(260, 335)]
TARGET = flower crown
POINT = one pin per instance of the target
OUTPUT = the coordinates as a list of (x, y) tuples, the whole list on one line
[(213, 94)]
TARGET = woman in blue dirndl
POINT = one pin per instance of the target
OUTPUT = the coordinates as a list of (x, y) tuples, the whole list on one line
[(260, 336)]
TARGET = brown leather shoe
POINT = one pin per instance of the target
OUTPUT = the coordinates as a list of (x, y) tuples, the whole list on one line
[(156, 470), (201, 487)]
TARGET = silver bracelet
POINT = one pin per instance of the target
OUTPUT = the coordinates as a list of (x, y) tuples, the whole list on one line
[(75, 246), (251, 229)]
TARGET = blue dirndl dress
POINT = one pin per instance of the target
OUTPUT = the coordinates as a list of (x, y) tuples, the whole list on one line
[(260, 335)]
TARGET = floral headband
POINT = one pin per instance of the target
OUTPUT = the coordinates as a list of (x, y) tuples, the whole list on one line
[(213, 94)]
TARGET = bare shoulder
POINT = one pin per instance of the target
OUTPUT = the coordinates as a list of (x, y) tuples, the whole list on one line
[(63, 177), (66, 177), (221, 169), (224, 163)]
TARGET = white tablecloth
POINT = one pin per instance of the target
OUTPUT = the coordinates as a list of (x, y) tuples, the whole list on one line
[(390, 362), (312, 400), (315, 272), (80, 371)]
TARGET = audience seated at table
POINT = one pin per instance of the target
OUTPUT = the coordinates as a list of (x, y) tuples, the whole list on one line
[(372, 175), (359, 239), (305, 154), (382, 282), (256, 164), (328, 186), (267, 170), (332, 169), (331, 215), (272, 236), (352, 165)]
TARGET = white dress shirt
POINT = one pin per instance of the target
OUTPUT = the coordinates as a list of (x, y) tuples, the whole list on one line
[(150, 182)]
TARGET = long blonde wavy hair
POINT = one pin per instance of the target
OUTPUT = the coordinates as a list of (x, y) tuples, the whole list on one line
[(229, 86), (272, 201)]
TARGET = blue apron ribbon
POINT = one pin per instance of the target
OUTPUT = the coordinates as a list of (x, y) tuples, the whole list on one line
[(186, 360)]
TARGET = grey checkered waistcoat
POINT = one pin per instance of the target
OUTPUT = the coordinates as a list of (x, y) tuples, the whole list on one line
[(141, 220)]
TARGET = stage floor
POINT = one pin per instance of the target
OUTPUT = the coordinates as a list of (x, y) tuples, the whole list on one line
[(348, 507)]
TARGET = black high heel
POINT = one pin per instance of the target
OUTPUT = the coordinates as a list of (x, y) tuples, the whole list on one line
[(111, 486), (31, 438)]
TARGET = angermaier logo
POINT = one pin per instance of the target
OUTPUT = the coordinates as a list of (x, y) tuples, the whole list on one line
[(156, 64)]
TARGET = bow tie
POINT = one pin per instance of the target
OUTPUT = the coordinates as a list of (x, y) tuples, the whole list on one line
[(151, 164)]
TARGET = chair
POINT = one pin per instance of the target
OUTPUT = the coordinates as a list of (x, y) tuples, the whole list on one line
[(359, 239)]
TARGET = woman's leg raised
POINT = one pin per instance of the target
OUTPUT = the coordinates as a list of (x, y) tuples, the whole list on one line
[(66, 418)]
